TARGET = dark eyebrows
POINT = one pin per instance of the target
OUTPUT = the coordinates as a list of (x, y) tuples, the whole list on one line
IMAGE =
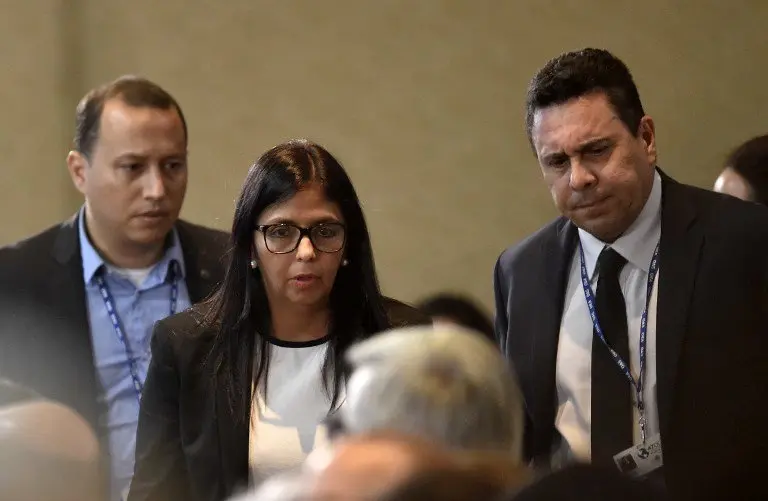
[(139, 158), (285, 220), (554, 158), (327, 220), (590, 146), (280, 220), (595, 144)]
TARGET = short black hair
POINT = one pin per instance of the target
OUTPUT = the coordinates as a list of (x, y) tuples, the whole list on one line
[(133, 91), (583, 72), (460, 309), (750, 161)]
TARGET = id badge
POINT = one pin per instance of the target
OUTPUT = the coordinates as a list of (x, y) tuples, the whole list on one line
[(641, 459)]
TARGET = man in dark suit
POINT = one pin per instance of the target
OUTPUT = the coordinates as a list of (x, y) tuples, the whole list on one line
[(641, 312), (79, 300)]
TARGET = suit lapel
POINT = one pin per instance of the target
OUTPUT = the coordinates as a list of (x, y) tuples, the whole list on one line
[(66, 252), (679, 252), (545, 330)]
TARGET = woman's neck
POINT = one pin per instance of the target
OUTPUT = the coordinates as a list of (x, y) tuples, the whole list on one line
[(300, 323)]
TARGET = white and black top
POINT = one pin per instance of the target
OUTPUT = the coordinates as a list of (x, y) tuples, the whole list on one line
[(288, 426)]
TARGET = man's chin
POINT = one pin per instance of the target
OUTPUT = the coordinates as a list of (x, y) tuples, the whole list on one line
[(602, 230), (150, 235)]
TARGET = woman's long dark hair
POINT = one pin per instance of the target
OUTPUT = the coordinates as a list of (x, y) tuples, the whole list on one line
[(239, 311)]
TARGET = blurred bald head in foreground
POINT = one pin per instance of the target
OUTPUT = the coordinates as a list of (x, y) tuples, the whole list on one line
[(47, 451)]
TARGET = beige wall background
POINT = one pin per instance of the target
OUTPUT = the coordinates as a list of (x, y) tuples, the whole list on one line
[(422, 101)]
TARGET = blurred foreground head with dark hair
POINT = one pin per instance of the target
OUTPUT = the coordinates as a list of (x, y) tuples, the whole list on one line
[(457, 309)]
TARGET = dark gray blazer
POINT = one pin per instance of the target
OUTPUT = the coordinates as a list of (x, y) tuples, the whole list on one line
[(712, 336)]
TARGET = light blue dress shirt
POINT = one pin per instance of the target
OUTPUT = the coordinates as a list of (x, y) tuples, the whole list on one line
[(138, 309)]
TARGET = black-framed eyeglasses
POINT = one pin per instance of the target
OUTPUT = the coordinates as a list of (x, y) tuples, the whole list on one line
[(283, 238)]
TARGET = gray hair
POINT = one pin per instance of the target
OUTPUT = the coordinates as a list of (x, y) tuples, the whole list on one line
[(443, 382)]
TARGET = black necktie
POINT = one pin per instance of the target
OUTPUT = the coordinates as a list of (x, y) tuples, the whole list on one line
[(611, 390)]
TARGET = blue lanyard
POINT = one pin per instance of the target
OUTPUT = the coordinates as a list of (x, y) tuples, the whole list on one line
[(109, 304), (624, 366)]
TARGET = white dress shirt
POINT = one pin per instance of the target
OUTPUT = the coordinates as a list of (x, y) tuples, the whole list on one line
[(574, 351)]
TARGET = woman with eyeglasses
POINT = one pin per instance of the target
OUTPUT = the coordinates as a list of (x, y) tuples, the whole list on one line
[(239, 386)]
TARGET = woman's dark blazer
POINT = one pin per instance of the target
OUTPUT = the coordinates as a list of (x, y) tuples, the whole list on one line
[(189, 446)]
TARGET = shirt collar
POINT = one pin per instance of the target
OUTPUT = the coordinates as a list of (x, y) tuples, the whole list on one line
[(92, 261), (637, 244)]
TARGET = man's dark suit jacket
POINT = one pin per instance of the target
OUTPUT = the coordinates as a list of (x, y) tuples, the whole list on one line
[(45, 340), (711, 335), (189, 444)]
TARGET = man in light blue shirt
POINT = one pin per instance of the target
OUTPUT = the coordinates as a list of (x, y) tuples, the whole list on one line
[(78, 301), (141, 297)]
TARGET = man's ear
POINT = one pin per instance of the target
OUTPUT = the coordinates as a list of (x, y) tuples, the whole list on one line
[(76, 165), (647, 132)]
